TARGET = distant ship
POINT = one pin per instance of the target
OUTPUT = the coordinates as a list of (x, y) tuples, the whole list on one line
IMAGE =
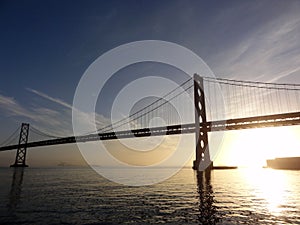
[(287, 163)]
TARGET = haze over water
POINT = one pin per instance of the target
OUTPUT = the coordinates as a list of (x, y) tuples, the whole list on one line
[(77, 195)]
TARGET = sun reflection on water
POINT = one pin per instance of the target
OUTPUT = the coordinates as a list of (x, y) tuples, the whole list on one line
[(270, 186)]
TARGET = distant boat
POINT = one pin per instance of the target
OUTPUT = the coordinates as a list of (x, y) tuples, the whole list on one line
[(63, 164), (287, 163)]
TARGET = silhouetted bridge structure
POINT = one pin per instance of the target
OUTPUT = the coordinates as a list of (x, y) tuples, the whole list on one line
[(266, 98)]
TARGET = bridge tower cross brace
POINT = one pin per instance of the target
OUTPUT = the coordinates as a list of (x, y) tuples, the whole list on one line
[(22, 148), (201, 133)]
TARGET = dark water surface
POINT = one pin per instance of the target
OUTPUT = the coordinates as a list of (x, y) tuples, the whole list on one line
[(80, 196)]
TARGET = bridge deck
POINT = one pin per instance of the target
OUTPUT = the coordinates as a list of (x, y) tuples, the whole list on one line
[(286, 119)]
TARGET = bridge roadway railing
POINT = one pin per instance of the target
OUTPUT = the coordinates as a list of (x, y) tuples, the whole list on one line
[(286, 119)]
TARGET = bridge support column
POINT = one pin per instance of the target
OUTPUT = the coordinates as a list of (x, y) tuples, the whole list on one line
[(202, 160), (22, 148)]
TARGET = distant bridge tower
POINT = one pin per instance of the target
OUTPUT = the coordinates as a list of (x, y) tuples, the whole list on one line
[(22, 148), (202, 160)]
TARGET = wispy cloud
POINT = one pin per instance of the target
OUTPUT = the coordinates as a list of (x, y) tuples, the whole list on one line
[(100, 120), (271, 52), (56, 121), (56, 100), (13, 108), (46, 119)]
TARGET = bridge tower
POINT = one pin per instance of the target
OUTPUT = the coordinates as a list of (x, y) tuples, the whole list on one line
[(202, 160), (22, 148)]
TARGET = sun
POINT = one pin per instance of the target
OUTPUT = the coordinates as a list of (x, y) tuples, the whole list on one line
[(251, 148)]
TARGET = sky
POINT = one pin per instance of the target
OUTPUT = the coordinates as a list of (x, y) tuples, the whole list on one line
[(46, 46)]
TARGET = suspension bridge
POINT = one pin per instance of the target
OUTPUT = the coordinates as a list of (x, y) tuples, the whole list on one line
[(218, 105)]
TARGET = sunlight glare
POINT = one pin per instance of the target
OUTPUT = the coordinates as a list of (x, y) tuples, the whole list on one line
[(269, 185), (251, 148)]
